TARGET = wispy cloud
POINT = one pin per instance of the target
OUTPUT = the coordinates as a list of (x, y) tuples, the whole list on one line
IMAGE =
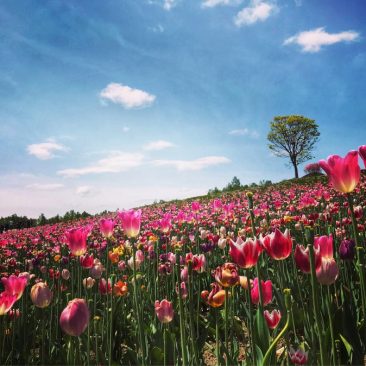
[(125, 129), (313, 40), (45, 186), (157, 29), (196, 164), (46, 150), (158, 145), (213, 3), (115, 162), (84, 191), (257, 11), (126, 96), (244, 132)]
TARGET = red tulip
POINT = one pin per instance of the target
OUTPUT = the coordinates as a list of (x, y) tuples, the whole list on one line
[(343, 173), (362, 152), (277, 245), (41, 295), (77, 240), (302, 260), (74, 318), (266, 292), (6, 302), (131, 222), (164, 311), (87, 261), (14, 285), (272, 318), (325, 245), (106, 227), (245, 254)]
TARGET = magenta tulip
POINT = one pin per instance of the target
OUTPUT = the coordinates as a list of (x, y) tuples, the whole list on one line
[(362, 152), (77, 240), (14, 285), (343, 173), (106, 227), (6, 302), (131, 222)]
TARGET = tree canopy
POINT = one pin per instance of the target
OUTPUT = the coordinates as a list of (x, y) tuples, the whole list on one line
[(293, 137)]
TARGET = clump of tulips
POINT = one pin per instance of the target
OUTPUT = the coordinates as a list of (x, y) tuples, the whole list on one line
[(274, 276)]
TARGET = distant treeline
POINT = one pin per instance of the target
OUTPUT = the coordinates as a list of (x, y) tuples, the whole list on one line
[(21, 222), (235, 185)]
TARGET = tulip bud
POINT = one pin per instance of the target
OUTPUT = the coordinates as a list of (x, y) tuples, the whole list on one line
[(41, 295), (272, 318), (88, 282), (74, 318), (347, 249), (65, 274)]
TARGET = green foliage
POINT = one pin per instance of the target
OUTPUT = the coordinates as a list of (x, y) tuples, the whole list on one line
[(293, 137)]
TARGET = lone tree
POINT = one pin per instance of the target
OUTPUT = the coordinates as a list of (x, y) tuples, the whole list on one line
[(293, 137)]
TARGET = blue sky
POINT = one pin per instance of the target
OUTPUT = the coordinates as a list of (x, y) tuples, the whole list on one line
[(114, 104)]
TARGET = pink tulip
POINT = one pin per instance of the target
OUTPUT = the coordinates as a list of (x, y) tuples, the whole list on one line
[(266, 292), (41, 295), (328, 271), (164, 311), (362, 152), (14, 285), (325, 245), (131, 222), (277, 245), (298, 357), (195, 206), (74, 318), (343, 173), (245, 254), (272, 318), (77, 240), (6, 302), (106, 227)]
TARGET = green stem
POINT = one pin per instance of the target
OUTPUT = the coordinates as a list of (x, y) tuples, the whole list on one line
[(329, 310), (181, 316), (217, 351), (359, 249), (316, 307), (226, 324), (287, 293)]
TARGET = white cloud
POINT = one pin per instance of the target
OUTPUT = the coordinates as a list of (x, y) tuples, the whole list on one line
[(115, 162), (313, 40), (169, 4), (45, 186), (197, 164), (128, 97), (213, 3), (84, 191), (158, 145), (125, 129), (45, 150), (257, 11), (244, 132)]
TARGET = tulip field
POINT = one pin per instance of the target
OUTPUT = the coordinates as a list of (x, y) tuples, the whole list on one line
[(273, 276)]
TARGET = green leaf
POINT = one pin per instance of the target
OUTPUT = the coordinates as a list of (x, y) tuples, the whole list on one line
[(348, 347)]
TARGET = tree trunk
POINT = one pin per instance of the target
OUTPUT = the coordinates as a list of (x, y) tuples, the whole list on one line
[(296, 171)]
